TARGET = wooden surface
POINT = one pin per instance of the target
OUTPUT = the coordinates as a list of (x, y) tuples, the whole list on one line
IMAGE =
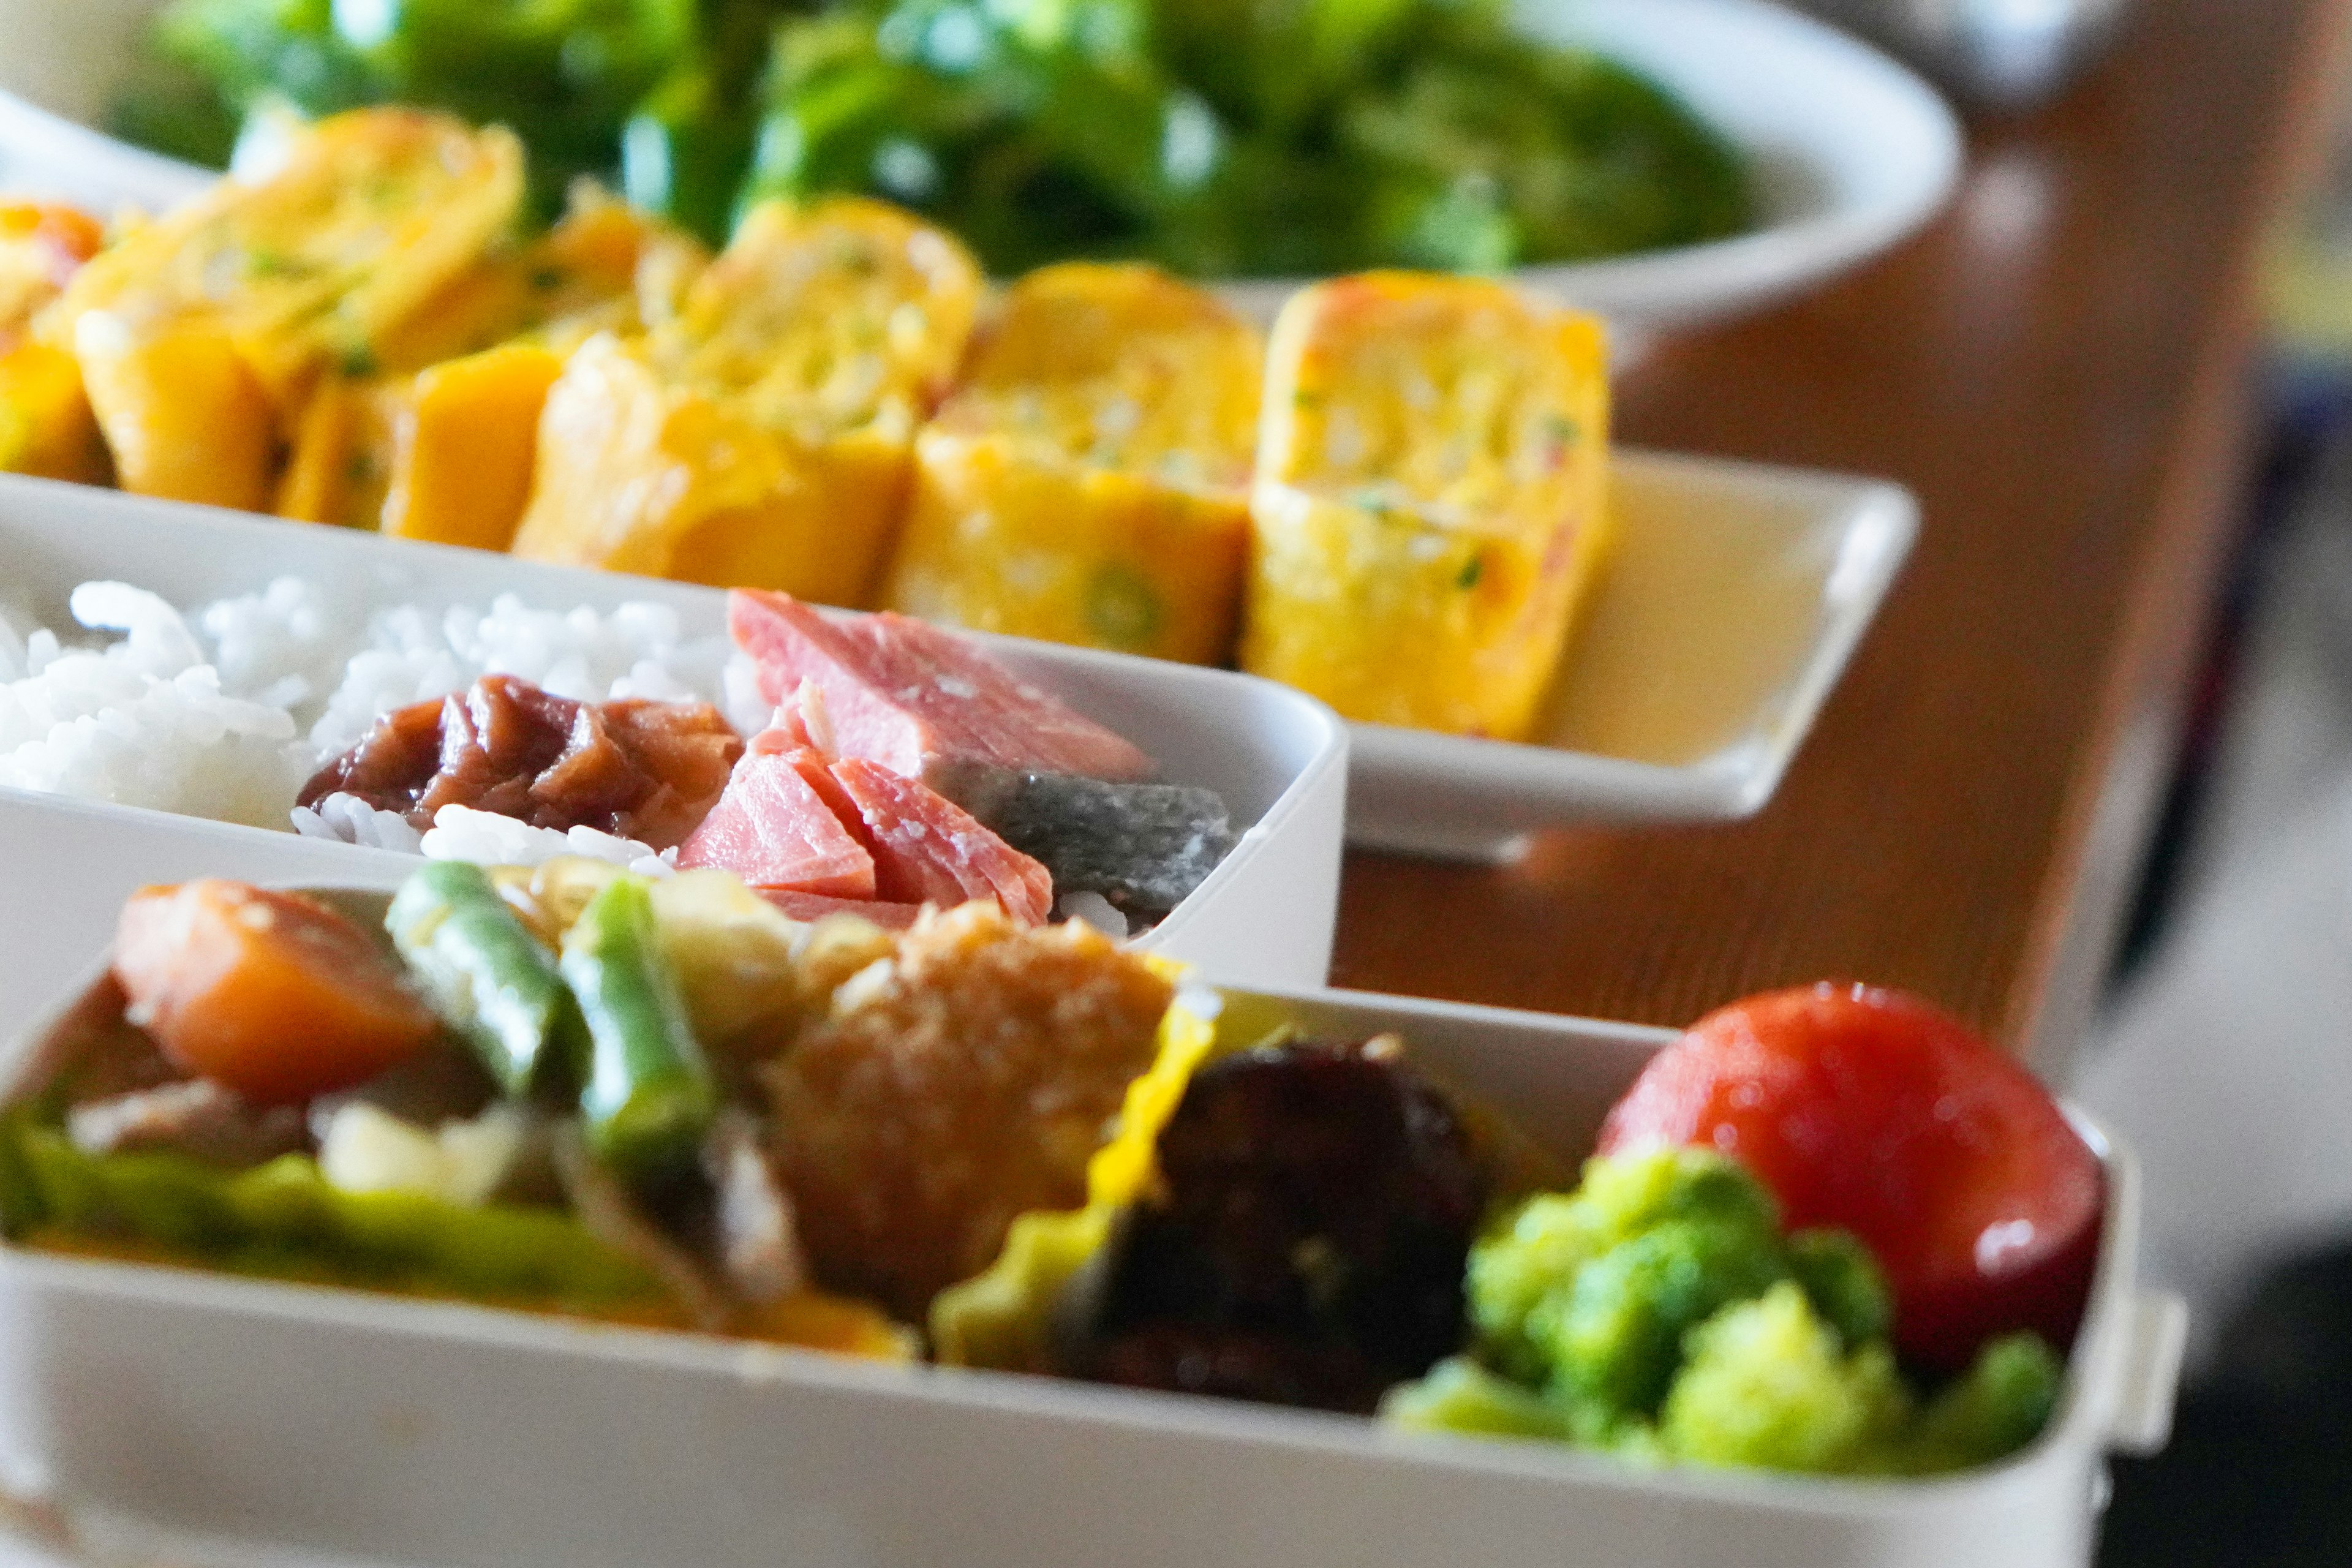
[(2061, 368)]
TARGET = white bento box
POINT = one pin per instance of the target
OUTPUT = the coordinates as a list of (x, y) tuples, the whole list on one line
[(207, 1420), (1265, 916)]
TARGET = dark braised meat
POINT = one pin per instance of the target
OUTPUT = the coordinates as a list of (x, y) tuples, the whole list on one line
[(197, 1118), (1319, 1208), (641, 770)]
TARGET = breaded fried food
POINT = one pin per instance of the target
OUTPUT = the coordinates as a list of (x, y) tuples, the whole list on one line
[(964, 1082)]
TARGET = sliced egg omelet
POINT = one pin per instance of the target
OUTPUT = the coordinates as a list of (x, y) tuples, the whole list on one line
[(1430, 501), (763, 438), (1087, 482)]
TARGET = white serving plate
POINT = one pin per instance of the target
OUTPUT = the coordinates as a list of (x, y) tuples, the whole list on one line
[(211, 1421), (1734, 596), (1279, 758), (1855, 152)]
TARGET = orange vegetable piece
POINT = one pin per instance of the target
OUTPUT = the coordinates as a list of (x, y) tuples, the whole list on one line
[(272, 995)]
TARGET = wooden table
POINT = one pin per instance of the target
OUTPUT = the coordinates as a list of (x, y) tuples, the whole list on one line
[(2061, 368)]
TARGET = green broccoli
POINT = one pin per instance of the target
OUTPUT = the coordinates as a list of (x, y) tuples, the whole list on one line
[(1767, 1383), (1457, 1395), (1845, 1283), (1658, 1312), (1617, 1338), (1999, 1406), (1523, 1272)]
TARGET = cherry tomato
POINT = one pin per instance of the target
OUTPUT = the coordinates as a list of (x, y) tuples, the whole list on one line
[(1874, 1111), (272, 995)]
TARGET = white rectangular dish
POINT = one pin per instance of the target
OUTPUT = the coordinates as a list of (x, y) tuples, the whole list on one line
[(1279, 760), (207, 1420), (1733, 598)]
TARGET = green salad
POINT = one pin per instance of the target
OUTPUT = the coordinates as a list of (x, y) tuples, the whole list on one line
[(1215, 137)]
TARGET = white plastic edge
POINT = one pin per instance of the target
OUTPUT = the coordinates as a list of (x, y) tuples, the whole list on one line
[(2157, 1339)]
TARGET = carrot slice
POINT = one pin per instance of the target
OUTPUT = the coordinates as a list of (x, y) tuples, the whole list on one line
[(272, 995)]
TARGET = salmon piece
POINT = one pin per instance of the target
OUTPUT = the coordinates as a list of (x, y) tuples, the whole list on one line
[(777, 830), (271, 994), (920, 701), (928, 850), (814, 907)]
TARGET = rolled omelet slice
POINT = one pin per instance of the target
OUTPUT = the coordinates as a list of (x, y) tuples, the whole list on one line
[(203, 335), (1430, 501), (764, 437), (467, 374), (1087, 482)]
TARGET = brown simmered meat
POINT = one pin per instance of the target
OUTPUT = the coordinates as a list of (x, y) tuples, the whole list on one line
[(196, 1117), (643, 770), (1318, 1204), (954, 1086)]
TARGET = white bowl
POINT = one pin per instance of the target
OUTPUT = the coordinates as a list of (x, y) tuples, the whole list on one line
[(1854, 150), (1734, 598), (1265, 915), (201, 1419)]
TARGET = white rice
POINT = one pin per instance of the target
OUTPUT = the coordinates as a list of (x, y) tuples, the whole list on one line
[(207, 713), (461, 833), (146, 722), (1097, 911), (348, 819)]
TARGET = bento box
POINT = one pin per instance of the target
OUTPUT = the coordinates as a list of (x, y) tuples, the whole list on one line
[(206, 1419), (1278, 759)]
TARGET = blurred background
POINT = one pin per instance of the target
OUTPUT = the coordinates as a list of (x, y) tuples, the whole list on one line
[(2223, 1047)]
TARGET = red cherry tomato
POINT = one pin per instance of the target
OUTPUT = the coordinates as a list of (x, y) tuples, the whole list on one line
[(1872, 1110)]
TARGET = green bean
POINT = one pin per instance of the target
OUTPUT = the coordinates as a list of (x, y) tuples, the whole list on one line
[(649, 1096), (486, 974)]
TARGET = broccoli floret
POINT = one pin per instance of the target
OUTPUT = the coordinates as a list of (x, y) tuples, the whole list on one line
[(1457, 1395), (1657, 1312), (1618, 1339), (1997, 1406), (1844, 1283), (1521, 1275), (1767, 1384)]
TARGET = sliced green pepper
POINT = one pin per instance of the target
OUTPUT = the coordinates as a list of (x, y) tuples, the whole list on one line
[(649, 1095), (486, 974)]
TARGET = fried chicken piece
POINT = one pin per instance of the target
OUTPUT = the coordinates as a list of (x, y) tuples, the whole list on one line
[(964, 1082)]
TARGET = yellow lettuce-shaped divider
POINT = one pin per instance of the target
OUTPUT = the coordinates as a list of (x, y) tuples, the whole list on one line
[(811, 1319), (1002, 1318)]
